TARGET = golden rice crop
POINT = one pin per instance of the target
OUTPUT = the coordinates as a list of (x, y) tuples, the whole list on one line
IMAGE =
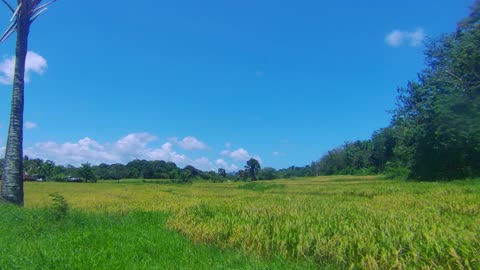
[(358, 222)]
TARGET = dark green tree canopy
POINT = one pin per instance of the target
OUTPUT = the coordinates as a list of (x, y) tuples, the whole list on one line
[(252, 168), (439, 116)]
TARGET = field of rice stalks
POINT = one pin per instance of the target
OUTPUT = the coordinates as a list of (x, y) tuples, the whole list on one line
[(337, 222)]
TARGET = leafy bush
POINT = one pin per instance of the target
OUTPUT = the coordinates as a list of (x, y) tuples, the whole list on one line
[(396, 171), (60, 206)]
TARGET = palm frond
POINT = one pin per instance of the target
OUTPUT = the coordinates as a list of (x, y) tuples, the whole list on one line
[(35, 16), (11, 29), (43, 6), (16, 11), (34, 3), (8, 5), (34, 11)]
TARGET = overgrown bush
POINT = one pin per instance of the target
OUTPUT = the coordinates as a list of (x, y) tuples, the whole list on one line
[(396, 171), (60, 206)]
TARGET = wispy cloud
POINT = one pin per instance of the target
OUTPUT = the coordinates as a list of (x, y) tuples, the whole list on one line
[(34, 63), (239, 155), (398, 38), (30, 125), (203, 163), (190, 143), (224, 165)]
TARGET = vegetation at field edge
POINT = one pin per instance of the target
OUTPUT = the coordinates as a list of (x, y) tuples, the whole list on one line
[(337, 222), (37, 239)]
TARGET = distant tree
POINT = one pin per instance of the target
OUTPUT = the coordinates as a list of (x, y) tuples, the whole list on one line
[(267, 173), (438, 116), (86, 172), (242, 175), (24, 15), (384, 143), (32, 165), (47, 168), (136, 168), (117, 171), (214, 177), (183, 177), (252, 168), (192, 171), (59, 174), (333, 162), (171, 170), (102, 171), (472, 22), (222, 172)]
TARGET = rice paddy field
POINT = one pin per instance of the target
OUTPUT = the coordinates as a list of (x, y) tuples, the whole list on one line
[(341, 222)]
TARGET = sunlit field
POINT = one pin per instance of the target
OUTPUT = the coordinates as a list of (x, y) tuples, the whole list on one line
[(331, 222)]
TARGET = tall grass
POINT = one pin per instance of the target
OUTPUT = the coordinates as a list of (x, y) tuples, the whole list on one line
[(332, 222), (36, 239)]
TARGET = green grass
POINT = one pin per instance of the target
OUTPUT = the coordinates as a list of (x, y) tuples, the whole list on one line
[(324, 222), (256, 186), (35, 239)]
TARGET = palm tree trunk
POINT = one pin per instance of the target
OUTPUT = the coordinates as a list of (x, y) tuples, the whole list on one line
[(12, 177)]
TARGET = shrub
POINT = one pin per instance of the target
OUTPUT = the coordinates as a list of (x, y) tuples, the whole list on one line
[(60, 206), (396, 171)]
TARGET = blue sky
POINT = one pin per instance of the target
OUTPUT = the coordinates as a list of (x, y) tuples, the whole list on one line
[(213, 83)]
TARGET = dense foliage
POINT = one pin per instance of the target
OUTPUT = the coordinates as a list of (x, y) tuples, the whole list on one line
[(435, 130)]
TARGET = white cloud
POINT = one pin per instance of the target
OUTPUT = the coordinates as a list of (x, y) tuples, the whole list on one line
[(130, 147), (279, 154), (34, 63), (224, 165), (397, 38), (166, 153), (88, 150), (134, 144), (239, 155), (203, 164), (85, 150), (190, 143), (417, 37), (30, 125), (126, 149), (233, 167), (2, 152)]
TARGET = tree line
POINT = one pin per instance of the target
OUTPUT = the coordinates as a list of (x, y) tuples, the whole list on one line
[(435, 127), (36, 169), (47, 170)]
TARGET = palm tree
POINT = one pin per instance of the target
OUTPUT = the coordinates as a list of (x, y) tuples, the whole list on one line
[(24, 15)]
